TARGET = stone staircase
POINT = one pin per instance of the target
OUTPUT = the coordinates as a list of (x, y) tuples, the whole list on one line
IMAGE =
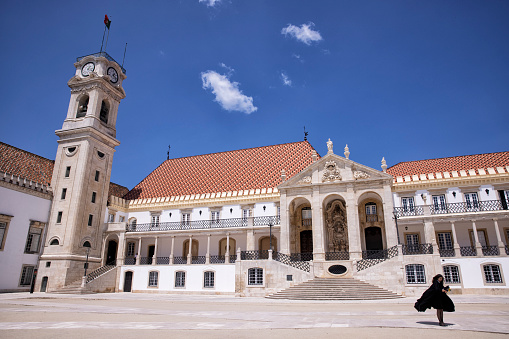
[(334, 289), (76, 288)]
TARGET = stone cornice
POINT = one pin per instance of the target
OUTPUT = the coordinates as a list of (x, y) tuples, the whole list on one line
[(451, 182), (79, 85), (199, 232), (477, 216), (25, 186), (82, 133)]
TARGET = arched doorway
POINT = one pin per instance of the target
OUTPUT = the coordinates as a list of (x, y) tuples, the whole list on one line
[(111, 256), (265, 243), (373, 238), (128, 280), (194, 249), (306, 243), (300, 220), (223, 244)]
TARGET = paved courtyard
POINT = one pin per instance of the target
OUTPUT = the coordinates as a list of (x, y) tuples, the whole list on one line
[(43, 315)]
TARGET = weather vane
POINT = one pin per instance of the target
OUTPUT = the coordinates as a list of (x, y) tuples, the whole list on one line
[(168, 153), (305, 134)]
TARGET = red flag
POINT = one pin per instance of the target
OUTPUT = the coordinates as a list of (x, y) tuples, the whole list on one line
[(107, 21)]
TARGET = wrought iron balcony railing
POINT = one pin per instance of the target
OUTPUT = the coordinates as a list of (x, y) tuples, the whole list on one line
[(447, 252), (465, 207), (301, 256), (130, 261), (254, 255), (337, 255), (371, 218), (468, 251), (417, 249), (287, 260), (408, 211), (490, 250), (203, 224)]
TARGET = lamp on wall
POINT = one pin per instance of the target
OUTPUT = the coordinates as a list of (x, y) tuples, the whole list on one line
[(231, 210), (454, 194), (170, 214), (406, 228), (264, 208), (487, 191), (200, 212)]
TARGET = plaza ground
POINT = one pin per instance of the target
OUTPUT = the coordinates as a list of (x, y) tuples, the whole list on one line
[(140, 315)]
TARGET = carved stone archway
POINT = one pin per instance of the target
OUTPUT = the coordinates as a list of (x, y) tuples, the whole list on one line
[(336, 226)]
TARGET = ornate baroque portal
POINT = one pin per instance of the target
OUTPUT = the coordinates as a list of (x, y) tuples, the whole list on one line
[(337, 228)]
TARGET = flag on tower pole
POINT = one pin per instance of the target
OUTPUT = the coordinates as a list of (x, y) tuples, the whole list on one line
[(107, 21)]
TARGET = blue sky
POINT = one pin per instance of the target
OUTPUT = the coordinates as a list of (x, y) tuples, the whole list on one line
[(406, 80)]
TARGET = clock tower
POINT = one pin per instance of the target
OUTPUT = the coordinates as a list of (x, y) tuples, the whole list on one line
[(81, 174)]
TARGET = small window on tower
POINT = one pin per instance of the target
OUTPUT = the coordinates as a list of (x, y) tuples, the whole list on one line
[(64, 192), (93, 197), (67, 171), (59, 217), (82, 107), (104, 112), (96, 175), (90, 219)]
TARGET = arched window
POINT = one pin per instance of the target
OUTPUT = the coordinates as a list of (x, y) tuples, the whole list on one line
[(255, 276), (86, 244), (132, 224), (82, 107), (415, 274), (153, 278), (54, 242), (208, 279), (451, 274), (105, 109)]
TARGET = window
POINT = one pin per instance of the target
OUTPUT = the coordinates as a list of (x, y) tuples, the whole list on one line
[(445, 241), (255, 276), (438, 202), (481, 234), (111, 217), (94, 194), (133, 224), (33, 240), (67, 171), (59, 217), (307, 216), (408, 204), (155, 220), (48, 263), (451, 274), (472, 201), (208, 279), (3, 233), (412, 241), (121, 218), (180, 279), (64, 192), (26, 275), (90, 219), (186, 218), (370, 209), (54, 242), (279, 211), (96, 175), (245, 214), (153, 278), (492, 274), (215, 216), (415, 274), (130, 249)]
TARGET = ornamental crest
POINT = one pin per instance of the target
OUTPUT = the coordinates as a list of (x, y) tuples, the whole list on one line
[(331, 172), (360, 175), (305, 180)]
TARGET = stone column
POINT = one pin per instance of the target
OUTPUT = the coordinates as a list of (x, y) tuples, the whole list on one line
[(250, 240), (207, 255), (429, 234), (352, 220), (285, 224), (190, 253), (477, 244), (317, 228), (139, 252), (501, 246), (172, 249), (391, 231), (457, 249), (121, 249), (227, 253), (154, 257)]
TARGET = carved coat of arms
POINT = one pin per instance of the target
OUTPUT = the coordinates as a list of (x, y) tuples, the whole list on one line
[(331, 172)]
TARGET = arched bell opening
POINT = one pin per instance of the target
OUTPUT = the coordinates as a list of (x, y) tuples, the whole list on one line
[(301, 227), (335, 224), (105, 110), (82, 106)]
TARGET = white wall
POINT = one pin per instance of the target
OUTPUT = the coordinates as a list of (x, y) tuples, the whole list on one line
[(23, 207), (472, 273), (224, 278)]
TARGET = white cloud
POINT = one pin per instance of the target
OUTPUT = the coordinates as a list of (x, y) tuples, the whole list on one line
[(230, 70), (228, 94), (298, 57), (286, 80), (210, 3), (304, 33)]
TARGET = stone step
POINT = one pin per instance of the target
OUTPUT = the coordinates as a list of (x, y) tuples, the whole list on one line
[(334, 289)]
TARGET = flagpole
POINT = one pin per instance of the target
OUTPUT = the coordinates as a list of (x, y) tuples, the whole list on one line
[(107, 36), (103, 38), (125, 49)]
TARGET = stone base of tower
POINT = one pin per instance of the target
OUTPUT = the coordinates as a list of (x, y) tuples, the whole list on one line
[(62, 272)]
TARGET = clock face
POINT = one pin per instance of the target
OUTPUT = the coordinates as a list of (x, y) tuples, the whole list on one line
[(87, 68), (113, 75)]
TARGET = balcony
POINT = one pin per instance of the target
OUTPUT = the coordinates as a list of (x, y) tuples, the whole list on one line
[(408, 211), (203, 224), (371, 218), (457, 207), (417, 249)]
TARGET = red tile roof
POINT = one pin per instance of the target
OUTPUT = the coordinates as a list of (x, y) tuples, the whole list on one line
[(465, 162), (242, 169), (33, 167)]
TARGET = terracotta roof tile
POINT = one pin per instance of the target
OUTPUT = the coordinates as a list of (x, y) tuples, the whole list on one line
[(33, 167), (242, 169), (465, 162)]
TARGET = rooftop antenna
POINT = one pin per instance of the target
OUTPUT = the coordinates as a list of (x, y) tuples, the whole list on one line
[(167, 153), (305, 134), (125, 49)]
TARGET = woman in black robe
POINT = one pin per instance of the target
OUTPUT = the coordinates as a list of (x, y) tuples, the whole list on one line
[(436, 296)]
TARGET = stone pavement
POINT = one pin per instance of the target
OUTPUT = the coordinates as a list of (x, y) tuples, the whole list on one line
[(137, 315)]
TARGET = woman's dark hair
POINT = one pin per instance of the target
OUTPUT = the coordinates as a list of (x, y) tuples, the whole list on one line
[(438, 276)]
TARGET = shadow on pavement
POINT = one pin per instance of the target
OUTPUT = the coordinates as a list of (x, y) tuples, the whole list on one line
[(434, 323)]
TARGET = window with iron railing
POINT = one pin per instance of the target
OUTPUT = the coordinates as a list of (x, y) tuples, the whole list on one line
[(412, 241), (155, 220), (180, 279), (371, 215), (408, 204), (153, 278), (471, 201), (130, 249), (415, 274), (186, 218), (27, 273), (492, 274), (445, 241), (255, 276), (215, 216), (208, 279), (307, 216), (33, 240), (439, 202), (451, 274)]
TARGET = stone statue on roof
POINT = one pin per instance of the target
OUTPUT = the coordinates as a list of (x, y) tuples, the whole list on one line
[(329, 147)]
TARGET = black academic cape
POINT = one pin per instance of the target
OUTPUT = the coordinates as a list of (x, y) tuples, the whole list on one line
[(434, 297)]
